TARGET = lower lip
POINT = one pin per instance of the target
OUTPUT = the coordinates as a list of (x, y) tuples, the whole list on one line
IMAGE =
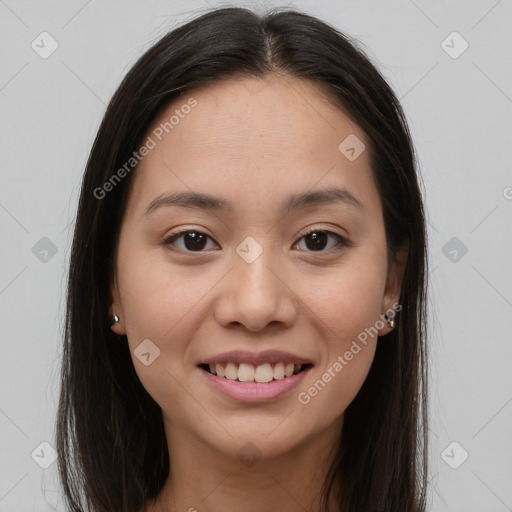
[(254, 391)]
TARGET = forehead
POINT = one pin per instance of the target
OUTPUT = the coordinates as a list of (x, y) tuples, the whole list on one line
[(263, 135)]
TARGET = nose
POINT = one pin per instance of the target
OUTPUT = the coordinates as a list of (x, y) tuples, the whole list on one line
[(256, 295)]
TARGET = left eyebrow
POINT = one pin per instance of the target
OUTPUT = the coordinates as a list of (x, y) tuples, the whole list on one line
[(326, 196), (295, 202)]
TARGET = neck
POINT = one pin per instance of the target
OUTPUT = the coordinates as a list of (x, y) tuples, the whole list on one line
[(203, 478)]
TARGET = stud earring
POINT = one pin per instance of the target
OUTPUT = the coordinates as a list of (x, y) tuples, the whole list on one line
[(113, 319), (390, 320)]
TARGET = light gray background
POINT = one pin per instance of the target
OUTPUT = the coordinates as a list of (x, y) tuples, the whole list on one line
[(460, 112)]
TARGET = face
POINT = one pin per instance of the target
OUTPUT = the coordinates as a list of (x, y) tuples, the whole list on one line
[(258, 279)]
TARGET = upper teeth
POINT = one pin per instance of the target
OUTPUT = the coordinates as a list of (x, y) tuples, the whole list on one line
[(250, 373)]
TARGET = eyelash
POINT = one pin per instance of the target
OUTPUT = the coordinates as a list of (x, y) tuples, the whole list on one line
[(340, 245)]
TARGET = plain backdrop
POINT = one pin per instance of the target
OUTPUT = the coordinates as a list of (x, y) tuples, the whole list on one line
[(449, 63)]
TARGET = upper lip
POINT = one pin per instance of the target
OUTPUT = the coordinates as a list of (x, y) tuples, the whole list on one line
[(255, 358)]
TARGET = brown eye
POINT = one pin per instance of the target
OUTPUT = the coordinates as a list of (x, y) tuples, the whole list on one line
[(317, 239), (193, 241)]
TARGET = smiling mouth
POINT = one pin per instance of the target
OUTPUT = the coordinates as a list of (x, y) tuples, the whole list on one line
[(263, 373)]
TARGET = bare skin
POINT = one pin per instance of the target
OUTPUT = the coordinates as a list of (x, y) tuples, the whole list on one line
[(253, 142)]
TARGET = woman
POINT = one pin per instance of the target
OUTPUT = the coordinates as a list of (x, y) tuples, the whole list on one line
[(246, 304)]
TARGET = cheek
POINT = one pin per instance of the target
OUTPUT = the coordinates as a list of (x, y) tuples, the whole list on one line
[(159, 304), (347, 300), (347, 305), (157, 297), (326, 396), (347, 351)]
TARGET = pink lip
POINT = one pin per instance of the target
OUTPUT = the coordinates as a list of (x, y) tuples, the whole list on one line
[(266, 356), (251, 392)]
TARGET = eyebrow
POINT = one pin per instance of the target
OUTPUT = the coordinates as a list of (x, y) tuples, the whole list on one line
[(207, 202)]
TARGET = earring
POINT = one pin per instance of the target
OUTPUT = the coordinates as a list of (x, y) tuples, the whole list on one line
[(390, 320), (114, 319)]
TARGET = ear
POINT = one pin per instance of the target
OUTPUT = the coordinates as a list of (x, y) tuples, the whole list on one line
[(119, 327), (391, 299)]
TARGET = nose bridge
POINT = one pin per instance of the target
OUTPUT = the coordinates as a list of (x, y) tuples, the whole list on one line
[(256, 263), (256, 277)]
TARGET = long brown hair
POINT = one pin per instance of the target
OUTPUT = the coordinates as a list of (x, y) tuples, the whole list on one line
[(112, 452)]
